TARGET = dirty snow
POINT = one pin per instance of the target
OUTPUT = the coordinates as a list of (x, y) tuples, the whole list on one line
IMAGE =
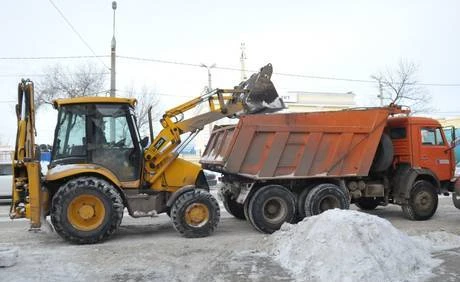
[(346, 245), (438, 241)]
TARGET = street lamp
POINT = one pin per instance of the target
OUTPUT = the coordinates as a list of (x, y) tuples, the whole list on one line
[(209, 74), (113, 54)]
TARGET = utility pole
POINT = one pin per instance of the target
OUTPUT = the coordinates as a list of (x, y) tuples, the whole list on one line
[(209, 75), (380, 96), (243, 61), (113, 54), (113, 48)]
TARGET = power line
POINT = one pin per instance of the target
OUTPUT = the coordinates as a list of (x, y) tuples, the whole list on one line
[(76, 32), (44, 74), (217, 67), (53, 57), (279, 73)]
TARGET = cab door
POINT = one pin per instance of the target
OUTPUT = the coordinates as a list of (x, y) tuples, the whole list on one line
[(434, 152), (113, 141)]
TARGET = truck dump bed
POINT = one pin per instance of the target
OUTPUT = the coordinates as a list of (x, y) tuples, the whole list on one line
[(298, 145)]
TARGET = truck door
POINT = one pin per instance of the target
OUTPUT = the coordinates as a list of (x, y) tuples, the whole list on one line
[(434, 152)]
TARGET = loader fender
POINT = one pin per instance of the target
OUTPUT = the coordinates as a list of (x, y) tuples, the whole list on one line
[(406, 177), (179, 192), (70, 170)]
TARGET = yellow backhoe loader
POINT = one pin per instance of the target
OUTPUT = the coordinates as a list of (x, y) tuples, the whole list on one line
[(100, 165)]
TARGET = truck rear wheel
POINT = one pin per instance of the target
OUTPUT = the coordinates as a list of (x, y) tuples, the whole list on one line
[(324, 197), (233, 207), (270, 207), (195, 213), (423, 201), (301, 201), (366, 204), (86, 210)]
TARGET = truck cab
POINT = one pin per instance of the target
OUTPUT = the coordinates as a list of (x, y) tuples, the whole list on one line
[(420, 143)]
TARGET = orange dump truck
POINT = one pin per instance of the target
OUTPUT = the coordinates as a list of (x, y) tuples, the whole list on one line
[(282, 167)]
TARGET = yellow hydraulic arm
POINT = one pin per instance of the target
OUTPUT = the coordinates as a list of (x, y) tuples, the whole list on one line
[(27, 197), (164, 148), (257, 94)]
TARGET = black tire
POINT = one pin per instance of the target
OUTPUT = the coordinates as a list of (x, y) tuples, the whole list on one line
[(384, 156), (301, 202), (270, 207), (198, 202), (105, 219), (423, 201), (246, 207), (367, 204), (323, 197), (232, 207)]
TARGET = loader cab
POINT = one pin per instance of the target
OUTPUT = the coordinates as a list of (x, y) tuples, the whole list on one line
[(421, 142), (99, 131)]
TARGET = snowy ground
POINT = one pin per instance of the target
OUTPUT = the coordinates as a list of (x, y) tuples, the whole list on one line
[(151, 250)]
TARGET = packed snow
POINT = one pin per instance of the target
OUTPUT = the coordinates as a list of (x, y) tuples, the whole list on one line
[(346, 245)]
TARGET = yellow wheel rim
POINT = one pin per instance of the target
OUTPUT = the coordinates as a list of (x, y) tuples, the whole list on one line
[(197, 215), (86, 212)]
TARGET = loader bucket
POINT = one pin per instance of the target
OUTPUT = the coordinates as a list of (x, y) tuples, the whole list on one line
[(261, 95)]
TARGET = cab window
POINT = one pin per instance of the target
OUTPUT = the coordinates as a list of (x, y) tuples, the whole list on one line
[(432, 136)]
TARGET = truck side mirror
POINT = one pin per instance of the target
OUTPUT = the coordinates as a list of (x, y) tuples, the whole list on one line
[(145, 141), (449, 132)]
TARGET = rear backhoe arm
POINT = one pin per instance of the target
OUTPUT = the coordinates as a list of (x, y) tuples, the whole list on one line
[(27, 196), (255, 95)]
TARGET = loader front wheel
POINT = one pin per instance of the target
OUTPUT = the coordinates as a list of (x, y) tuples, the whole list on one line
[(195, 213), (86, 210)]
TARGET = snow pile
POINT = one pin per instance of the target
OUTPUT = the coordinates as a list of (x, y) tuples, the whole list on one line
[(438, 241), (345, 245)]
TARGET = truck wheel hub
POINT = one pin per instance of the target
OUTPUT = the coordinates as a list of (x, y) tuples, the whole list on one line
[(197, 215), (423, 199), (274, 210), (329, 203)]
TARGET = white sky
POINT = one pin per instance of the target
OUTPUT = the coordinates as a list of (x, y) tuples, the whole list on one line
[(346, 39)]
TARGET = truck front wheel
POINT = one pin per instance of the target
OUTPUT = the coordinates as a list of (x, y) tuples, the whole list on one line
[(324, 197), (195, 213), (423, 201), (270, 207), (86, 210)]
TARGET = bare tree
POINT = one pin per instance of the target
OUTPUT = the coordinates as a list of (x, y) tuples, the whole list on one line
[(146, 98), (59, 82), (400, 86)]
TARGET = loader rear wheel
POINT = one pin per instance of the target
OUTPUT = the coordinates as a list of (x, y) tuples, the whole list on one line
[(233, 207), (86, 210), (270, 207), (324, 197), (423, 201), (195, 213)]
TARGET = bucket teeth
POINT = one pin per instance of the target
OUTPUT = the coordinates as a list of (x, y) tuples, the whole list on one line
[(262, 96)]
